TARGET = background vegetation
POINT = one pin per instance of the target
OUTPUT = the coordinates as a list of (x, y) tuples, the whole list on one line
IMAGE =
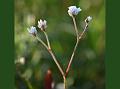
[(88, 67)]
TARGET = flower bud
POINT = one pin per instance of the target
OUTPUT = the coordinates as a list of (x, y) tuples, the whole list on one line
[(42, 24), (32, 30), (88, 19)]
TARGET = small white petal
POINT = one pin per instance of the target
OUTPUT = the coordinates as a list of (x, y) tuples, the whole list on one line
[(39, 24), (45, 22), (40, 21), (79, 9), (69, 12)]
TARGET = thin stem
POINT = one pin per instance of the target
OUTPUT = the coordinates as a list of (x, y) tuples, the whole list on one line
[(43, 43), (55, 60), (80, 36), (72, 56), (75, 26), (29, 84), (26, 80), (51, 53), (47, 39), (64, 79), (71, 59)]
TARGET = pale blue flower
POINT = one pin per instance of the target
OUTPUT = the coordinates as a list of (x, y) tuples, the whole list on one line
[(32, 30), (42, 24), (73, 10)]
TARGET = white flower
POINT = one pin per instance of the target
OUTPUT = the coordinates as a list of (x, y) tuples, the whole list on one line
[(32, 30), (22, 60), (42, 24), (88, 19), (73, 10)]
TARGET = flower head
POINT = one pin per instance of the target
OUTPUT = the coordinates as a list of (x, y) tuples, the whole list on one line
[(22, 60), (42, 24), (73, 10), (32, 30), (88, 19)]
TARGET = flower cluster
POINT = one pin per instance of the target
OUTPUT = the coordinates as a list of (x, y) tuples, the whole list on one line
[(42, 24), (73, 10)]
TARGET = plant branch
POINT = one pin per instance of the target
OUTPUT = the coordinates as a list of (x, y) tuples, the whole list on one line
[(64, 79), (55, 60), (57, 63), (48, 42), (43, 43), (80, 36), (75, 26), (51, 53), (77, 42), (71, 59), (29, 85)]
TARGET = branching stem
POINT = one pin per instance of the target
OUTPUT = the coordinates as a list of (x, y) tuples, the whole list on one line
[(48, 47), (51, 52), (77, 42)]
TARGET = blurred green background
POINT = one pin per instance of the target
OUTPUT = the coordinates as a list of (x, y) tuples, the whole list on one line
[(88, 67)]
